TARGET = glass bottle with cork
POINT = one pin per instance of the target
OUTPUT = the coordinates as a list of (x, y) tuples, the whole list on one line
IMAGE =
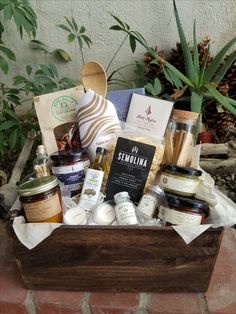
[(93, 182), (41, 163)]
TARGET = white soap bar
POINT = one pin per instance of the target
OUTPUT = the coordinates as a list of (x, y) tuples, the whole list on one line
[(75, 216)]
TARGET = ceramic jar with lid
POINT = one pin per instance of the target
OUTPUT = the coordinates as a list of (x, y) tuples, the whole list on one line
[(41, 200)]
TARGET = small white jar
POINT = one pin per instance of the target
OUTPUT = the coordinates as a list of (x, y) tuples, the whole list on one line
[(125, 210), (75, 216)]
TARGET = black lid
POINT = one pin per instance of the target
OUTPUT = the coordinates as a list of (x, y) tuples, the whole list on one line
[(101, 150), (195, 204), (184, 170), (68, 155)]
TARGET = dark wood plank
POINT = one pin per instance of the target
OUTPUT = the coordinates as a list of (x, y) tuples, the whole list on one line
[(119, 259)]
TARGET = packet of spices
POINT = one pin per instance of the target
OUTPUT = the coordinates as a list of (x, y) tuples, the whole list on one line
[(130, 168)]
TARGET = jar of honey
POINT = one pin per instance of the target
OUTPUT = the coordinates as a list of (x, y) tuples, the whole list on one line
[(41, 200)]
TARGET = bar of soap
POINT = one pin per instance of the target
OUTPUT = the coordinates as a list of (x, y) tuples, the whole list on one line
[(75, 216), (104, 214)]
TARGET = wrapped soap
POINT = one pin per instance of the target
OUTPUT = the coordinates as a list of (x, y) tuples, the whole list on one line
[(97, 120)]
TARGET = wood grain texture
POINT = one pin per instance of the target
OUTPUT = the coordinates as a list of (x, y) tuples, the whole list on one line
[(119, 259)]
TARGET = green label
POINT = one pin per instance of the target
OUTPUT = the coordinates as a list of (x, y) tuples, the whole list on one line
[(64, 108)]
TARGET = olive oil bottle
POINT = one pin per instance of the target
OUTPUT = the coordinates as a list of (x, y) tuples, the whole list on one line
[(93, 182)]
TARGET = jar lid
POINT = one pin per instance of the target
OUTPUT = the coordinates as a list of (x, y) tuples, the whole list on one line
[(68, 155), (38, 185), (184, 170), (195, 205), (121, 196), (104, 214)]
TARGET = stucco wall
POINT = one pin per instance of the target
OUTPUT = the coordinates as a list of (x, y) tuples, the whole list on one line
[(153, 18)]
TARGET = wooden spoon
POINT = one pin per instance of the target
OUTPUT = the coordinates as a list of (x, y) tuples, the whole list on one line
[(94, 77)]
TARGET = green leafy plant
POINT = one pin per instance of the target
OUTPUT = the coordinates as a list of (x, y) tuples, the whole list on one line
[(58, 52), (25, 20), (202, 82), (76, 32), (43, 79)]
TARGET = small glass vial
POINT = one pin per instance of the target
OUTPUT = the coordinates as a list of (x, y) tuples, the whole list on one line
[(149, 202), (41, 163), (125, 210)]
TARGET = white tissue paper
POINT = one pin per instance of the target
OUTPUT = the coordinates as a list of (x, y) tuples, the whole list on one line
[(31, 234), (97, 120)]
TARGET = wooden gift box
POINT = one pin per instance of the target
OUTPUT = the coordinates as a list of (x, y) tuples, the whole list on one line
[(91, 258)]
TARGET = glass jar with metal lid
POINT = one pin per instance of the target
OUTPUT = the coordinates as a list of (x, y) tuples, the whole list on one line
[(124, 209), (183, 211), (70, 166), (179, 180), (41, 200)]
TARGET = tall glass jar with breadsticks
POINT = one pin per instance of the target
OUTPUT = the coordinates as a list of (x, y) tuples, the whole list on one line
[(179, 137)]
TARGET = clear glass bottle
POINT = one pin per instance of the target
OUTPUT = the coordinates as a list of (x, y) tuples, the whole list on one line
[(93, 181), (150, 201), (125, 210), (41, 163)]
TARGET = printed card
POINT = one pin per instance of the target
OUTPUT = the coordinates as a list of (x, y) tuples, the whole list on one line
[(151, 115)]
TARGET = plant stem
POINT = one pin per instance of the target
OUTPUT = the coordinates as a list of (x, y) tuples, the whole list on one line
[(82, 55), (112, 59)]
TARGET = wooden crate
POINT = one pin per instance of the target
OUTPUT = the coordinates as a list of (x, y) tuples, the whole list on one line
[(90, 258)]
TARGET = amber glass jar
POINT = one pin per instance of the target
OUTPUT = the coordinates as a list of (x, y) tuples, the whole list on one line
[(41, 200), (184, 211), (70, 166)]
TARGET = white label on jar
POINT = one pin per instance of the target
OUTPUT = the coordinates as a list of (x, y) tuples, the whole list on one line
[(147, 205), (91, 188), (72, 175), (125, 213), (178, 184), (176, 217), (43, 210)]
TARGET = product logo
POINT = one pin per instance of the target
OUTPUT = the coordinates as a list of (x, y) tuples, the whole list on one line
[(164, 180), (147, 116), (148, 110), (63, 108), (134, 149)]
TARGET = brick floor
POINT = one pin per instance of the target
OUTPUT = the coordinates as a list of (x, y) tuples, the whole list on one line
[(219, 299), (221, 294)]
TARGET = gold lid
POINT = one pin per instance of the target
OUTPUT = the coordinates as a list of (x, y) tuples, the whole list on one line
[(37, 186)]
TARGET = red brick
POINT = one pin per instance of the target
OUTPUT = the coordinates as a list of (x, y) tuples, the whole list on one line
[(221, 294), (56, 309), (12, 292), (175, 303), (114, 303), (7, 308), (66, 302)]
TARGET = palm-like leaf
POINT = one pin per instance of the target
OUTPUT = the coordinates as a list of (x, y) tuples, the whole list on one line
[(186, 51)]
